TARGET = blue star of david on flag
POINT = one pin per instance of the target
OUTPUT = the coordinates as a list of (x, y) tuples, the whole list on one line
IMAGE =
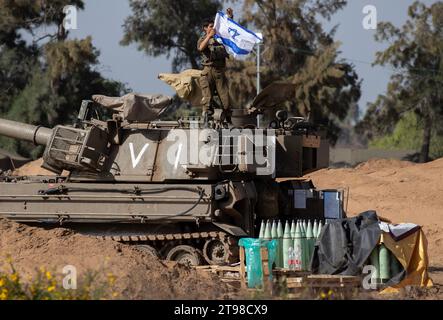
[(238, 41)]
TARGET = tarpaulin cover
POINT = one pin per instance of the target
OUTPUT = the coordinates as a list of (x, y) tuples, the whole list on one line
[(345, 245), (253, 259), (186, 84), (411, 252), (136, 107), (188, 88)]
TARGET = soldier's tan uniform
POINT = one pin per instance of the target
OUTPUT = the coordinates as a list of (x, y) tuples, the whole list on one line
[(213, 77)]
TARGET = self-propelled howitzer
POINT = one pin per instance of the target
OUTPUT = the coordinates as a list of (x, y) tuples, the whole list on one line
[(179, 189)]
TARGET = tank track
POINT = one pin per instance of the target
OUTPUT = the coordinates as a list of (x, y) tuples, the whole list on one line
[(164, 242)]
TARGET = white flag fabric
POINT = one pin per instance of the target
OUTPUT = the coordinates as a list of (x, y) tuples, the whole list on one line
[(237, 40)]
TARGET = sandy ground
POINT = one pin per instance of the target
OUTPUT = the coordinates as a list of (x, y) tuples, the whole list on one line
[(399, 191), (138, 275), (32, 169)]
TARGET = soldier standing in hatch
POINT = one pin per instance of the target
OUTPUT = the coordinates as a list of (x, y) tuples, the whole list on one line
[(214, 57)]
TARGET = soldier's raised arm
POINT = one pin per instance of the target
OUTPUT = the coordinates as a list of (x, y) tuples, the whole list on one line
[(208, 27)]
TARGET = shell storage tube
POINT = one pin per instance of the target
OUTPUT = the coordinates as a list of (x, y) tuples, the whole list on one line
[(374, 260), (385, 264)]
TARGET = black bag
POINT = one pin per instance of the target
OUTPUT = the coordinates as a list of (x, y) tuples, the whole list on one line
[(346, 244)]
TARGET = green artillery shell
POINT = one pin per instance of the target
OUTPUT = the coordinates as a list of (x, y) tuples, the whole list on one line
[(262, 230), (315, 229), (298, 251), (280, 245), (374, 260), (293, 229), (320, 227), (274, 237), (267, 235), (385, 263), (286, 245), (310, 244), (274, 230), (304, 245)]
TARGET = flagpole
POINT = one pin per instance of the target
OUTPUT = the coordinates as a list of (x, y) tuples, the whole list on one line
[(259, 76), (258, 68)]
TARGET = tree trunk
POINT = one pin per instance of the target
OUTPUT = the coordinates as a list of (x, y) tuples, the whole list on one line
[(426, 143)]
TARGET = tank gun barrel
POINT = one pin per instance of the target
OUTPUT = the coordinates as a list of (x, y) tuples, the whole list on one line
[(27, 132)]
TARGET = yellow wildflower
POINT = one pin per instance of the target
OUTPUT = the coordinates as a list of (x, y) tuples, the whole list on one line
[(48, 275), (14, 277), (2, 283), (4, 294), (111, 279), (51, 288)]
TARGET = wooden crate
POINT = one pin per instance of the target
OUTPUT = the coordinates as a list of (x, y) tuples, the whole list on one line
[(333, 281), (227, 274), (316, 286), (237, 275)]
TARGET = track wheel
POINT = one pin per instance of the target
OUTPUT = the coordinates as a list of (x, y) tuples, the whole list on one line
[(145, 248), (216, 252), (185, 255)]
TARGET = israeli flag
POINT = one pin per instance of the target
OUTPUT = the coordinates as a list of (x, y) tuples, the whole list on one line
[(237, 40)]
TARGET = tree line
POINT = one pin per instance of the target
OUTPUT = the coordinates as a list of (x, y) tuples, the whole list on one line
[(43, 80)]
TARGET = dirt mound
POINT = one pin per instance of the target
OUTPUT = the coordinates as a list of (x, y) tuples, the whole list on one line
[(379, 164), (32, 169), (138, 275), (398, 190)]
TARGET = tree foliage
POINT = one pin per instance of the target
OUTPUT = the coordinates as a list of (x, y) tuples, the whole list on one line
[(295, 44), (416, 53), (298, 49), (43, 80), (326, 89), (407, 135), (170, 27)]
